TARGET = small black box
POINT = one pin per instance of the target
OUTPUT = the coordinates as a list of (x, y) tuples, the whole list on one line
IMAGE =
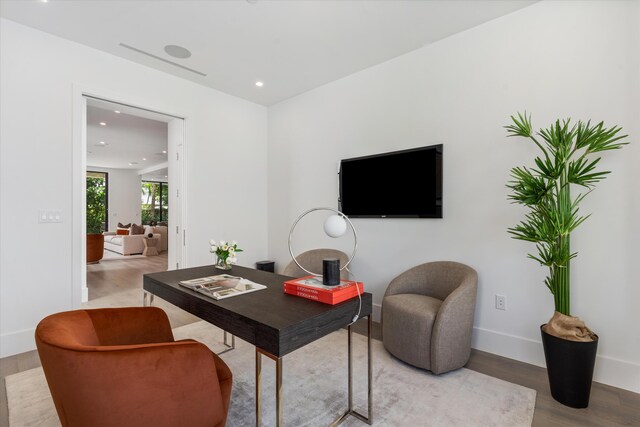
[(266, 266)]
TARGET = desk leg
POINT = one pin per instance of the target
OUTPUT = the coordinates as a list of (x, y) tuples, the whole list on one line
[(258, 397), (278, 361), (144, 299), (350, 411), (228, 347)]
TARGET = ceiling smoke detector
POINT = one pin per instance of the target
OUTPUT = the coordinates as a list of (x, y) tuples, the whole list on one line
[(177, 51)]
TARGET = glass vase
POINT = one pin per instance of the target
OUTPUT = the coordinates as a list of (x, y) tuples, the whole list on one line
[(221, 264)]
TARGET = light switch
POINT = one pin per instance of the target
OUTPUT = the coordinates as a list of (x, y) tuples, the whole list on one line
[(49, 215)]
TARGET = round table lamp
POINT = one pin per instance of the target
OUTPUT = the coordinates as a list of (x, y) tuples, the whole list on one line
[(334, 226)]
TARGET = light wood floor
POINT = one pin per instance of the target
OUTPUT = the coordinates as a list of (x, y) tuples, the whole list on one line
[(609, 406)]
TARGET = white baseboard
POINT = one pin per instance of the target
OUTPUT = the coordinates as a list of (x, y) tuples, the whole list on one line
[(85, 294), (17, 342), (608, 370)]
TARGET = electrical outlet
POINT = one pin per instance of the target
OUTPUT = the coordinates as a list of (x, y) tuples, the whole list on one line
[(501, 302)]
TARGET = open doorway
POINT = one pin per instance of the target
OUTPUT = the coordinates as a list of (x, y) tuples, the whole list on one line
[(131, 146)]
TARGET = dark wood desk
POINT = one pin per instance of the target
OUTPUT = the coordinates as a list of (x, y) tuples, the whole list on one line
[(274, 322)]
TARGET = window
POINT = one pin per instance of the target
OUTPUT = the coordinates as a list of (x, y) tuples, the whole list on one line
[(155, 201), (97, 202)]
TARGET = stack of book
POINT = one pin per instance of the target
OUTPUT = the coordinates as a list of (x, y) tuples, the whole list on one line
[(311, 287)]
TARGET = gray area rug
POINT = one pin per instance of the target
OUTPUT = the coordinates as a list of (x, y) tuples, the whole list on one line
[(315, 384)]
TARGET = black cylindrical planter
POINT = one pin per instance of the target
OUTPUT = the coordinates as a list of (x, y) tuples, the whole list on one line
[(331, 272), (570, 368)]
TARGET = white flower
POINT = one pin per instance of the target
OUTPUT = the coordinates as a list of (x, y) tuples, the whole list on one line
[(225, 247), (232, 250), (222, 243), (212, 242), (213, 249), (234, 243)]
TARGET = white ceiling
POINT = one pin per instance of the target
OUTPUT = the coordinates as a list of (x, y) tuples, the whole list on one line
[(292, 46), (131, 136)]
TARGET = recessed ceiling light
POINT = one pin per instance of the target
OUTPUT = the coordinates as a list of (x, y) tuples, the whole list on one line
[(164, 151), (116, 111), (103, 124), (166, 176), (133, 163), (44, 1), (102, 143), (177, 51), (144, 158), (259, 84)]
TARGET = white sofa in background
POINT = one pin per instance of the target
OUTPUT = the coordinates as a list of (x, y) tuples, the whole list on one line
[(125, 244)]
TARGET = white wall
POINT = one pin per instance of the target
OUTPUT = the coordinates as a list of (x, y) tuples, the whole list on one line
[(554, 59), (124, 195), (225, 137)]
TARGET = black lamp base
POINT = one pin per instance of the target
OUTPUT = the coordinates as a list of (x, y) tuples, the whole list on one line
[(331, 272)]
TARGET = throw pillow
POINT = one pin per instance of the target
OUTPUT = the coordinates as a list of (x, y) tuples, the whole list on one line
[(121, 225), (122, 232), (137, 229)]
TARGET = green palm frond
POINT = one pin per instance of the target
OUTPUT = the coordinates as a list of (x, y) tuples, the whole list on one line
[(546, 191)]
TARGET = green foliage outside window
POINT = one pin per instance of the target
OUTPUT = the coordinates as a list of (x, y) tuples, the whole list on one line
[(96, 205), (155, 201)]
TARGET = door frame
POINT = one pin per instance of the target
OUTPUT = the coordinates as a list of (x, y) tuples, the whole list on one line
[(177, 167)]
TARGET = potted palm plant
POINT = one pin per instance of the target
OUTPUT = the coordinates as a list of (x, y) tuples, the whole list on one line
[(553, 214), (96, 217)]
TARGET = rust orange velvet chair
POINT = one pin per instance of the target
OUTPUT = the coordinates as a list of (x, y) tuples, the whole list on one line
[(122, 367)]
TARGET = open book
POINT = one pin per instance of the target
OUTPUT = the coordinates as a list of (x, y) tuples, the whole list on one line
[(222, 286)]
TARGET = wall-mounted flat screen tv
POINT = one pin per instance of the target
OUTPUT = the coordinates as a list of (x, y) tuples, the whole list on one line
[(400, 184)]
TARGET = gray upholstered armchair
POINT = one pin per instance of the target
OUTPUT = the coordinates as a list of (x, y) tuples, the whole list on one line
[(312, 261), (427, 315)]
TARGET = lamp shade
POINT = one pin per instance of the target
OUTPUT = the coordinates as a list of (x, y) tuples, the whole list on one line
[(335, 226)]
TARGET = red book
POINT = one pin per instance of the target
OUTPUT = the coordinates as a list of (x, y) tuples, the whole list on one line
[(310, 287)]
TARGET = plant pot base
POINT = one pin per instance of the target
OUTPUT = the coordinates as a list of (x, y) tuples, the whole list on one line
[(570, 369), (95, 248)]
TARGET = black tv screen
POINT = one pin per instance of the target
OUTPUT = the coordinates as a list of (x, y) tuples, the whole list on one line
[(401, 184)]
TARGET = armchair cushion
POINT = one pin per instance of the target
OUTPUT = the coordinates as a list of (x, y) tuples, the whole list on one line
[(408, 331)]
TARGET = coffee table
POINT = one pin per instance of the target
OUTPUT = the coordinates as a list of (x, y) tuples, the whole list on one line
[(274, 322)]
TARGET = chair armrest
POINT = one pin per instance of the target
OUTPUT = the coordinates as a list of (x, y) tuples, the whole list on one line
[(109, 233), (451, 336), (131, 325), (166, 384)]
